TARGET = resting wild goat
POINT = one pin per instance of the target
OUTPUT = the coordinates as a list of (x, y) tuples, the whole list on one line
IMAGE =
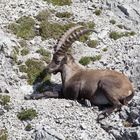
[(100, 87)]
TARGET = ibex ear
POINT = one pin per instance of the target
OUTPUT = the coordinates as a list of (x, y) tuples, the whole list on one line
[(66, 58)]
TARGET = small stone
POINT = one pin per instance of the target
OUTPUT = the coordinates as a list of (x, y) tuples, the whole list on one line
[(68, 105), (1, 112), (83, 126)]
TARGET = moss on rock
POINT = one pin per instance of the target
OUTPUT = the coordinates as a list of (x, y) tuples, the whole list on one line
[(4, 99), (24, 51), (24, 27), (34, 67), (112, 21), (90, 25), (116, 35), (98, 12), (53, 30), (92, 43), (3, 134), (85, 60), (27, 114), (63, 15), (43, 15), (46, 55), (60, 2)]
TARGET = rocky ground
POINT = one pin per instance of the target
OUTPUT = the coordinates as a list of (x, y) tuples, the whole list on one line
[(60, 119)]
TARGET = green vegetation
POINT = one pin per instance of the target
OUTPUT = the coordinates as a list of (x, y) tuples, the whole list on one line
[(120, 26), (87, 59), (92, 43), (84, 38), (15, 54), (59, 2), (4, 99), (46, 55), (104, 49), (96, 58), (24, 51), (13, 27), (28, 127), (53, 30), (24, 27), (33, 68), (3, 134), (16, 49), (97, 12), (22, 68), (27, 114), (63, 15), (89, 25), (112, 21), (23, 43), (43, 15), (116, 35), (41, 88)]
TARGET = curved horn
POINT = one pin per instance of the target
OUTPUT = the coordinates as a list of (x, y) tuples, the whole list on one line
[(69, 37), (65, 36)]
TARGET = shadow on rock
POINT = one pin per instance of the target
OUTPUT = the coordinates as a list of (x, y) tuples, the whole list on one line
[(44, 88)]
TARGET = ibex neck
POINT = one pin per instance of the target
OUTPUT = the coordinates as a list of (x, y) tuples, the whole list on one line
[(69, 71)]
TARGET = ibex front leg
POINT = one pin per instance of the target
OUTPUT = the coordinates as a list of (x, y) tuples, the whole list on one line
[(46, 94)]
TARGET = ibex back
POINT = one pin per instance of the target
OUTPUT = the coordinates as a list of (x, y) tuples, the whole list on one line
[(100, 87)]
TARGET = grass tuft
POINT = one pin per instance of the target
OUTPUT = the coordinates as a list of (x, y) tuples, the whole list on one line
[(85, 60), (24, 51), (112, 21), (24, 27), (53, 30), (92, 43), (46, 56), (63, 15), (27, 114), (28, 127), (60, 2), (116, 35), (43, 15), (90, 25), (98, 12), (104, 49), (4, 99), (3, 134)]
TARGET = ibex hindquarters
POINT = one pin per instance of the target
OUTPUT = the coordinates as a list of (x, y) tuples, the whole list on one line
[(101, 87)]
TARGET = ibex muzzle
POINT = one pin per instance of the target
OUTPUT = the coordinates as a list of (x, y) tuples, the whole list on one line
[(99, 86)]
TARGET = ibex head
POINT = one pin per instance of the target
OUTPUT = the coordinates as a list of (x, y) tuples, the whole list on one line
[(60, 57)]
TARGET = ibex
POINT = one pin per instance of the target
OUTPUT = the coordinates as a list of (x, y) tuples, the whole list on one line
[(100, 87)]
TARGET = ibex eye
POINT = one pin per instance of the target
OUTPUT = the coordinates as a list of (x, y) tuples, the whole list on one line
[(57, 62)]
